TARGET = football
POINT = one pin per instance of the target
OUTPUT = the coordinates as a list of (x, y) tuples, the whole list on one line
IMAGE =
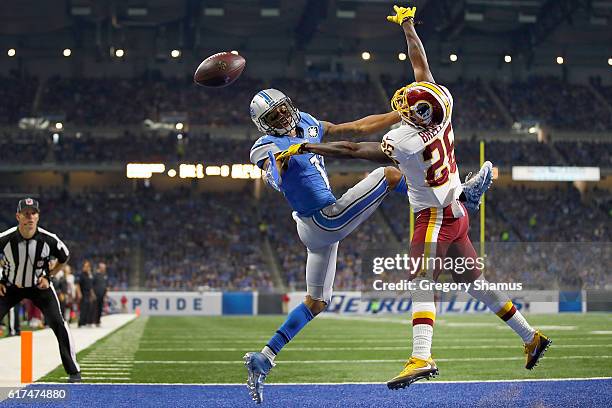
[(219, 70)]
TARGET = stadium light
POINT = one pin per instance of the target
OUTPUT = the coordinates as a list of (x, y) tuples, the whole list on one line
[(175, 53), (560, 60), (609, 61), (453, 57), (172, 173), (59, 125), (234, 52), (365, 56), (179, 136), (11, 52), (67, 52), (179, 126), (401, 56), (119, 53), (508, 59), (56, 138)]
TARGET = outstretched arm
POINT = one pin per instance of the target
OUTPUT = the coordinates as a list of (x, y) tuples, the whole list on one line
[(351, 150), (363, 127), (416, 52)]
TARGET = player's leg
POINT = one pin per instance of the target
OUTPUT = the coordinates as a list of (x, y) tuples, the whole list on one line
[(428, 233), (320, 272), (14, 323), (500, 304), (47, 301), (12, 297), (337, 221)]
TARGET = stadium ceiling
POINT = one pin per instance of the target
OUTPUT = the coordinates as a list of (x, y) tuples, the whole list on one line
[(298, 22)]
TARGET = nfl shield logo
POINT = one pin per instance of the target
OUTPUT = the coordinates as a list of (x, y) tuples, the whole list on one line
[(313, 131)]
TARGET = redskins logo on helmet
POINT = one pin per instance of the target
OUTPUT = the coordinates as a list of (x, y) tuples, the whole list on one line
[(421, 104)]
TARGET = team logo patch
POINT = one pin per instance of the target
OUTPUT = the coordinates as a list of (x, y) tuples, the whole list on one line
[(313, 131), (423, 110), (29, 201), (40, 264)]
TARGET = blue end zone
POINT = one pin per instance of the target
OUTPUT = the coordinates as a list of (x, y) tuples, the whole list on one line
[(574, 393)]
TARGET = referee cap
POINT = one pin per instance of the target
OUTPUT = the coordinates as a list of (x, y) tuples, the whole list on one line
[(27, 203)]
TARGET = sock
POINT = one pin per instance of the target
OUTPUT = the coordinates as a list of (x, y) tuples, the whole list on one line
[(296, 320), (401, 187), (267, 351), (423, 318), (516, 321), (499, 303)]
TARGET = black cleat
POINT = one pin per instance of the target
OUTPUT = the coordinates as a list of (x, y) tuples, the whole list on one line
[(75, 378)]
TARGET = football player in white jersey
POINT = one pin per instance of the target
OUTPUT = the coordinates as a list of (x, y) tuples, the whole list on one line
[(423, 147)]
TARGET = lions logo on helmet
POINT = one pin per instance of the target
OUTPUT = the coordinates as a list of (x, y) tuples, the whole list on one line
[(273, 112)]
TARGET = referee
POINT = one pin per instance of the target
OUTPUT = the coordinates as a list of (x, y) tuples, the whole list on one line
[(25, 252)]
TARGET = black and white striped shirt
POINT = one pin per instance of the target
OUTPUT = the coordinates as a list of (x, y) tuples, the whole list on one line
[(24, 261)]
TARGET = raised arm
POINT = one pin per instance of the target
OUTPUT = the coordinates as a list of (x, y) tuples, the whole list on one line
[(348, 150), (363, 127), (416, 52)]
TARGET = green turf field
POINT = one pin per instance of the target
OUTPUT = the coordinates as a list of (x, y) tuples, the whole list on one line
[(335, 349)]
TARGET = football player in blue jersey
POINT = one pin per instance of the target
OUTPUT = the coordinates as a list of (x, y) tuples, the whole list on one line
[(322, 219)]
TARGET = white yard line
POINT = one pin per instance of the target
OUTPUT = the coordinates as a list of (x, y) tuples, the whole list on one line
[(290, 348), (45, 351), (224, 362)]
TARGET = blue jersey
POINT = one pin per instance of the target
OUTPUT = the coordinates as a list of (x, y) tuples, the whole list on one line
[(305, 183)]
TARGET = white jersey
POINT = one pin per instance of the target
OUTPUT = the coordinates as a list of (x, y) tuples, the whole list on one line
[(426, 157)]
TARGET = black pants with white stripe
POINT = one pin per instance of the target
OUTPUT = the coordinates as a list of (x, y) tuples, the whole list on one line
[(13, 320), (46, 300)]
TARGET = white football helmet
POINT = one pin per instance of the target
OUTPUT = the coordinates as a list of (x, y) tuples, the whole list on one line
[(273, 112)]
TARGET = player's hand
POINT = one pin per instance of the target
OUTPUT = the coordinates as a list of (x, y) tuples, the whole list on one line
[(43, 283), (291, 151), (272, 174), (402, 14), (2, 290)]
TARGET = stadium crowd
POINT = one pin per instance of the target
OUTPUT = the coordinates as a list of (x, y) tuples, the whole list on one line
[(93, 101)]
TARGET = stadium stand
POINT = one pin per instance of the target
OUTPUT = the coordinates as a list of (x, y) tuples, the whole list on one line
[(555, 103)]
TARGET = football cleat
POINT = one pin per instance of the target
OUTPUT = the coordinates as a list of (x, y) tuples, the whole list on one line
[(415, 369), (536, 349), (258, 367), (475, 187)]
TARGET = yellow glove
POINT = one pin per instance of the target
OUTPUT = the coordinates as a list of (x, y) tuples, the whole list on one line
[(291, 151), (402, 14)]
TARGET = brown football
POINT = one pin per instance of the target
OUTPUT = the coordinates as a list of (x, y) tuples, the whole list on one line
[(219, 70)]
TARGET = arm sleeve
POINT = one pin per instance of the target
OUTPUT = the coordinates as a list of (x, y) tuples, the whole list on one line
[(59, 250), (4, 265), (259, 151)]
